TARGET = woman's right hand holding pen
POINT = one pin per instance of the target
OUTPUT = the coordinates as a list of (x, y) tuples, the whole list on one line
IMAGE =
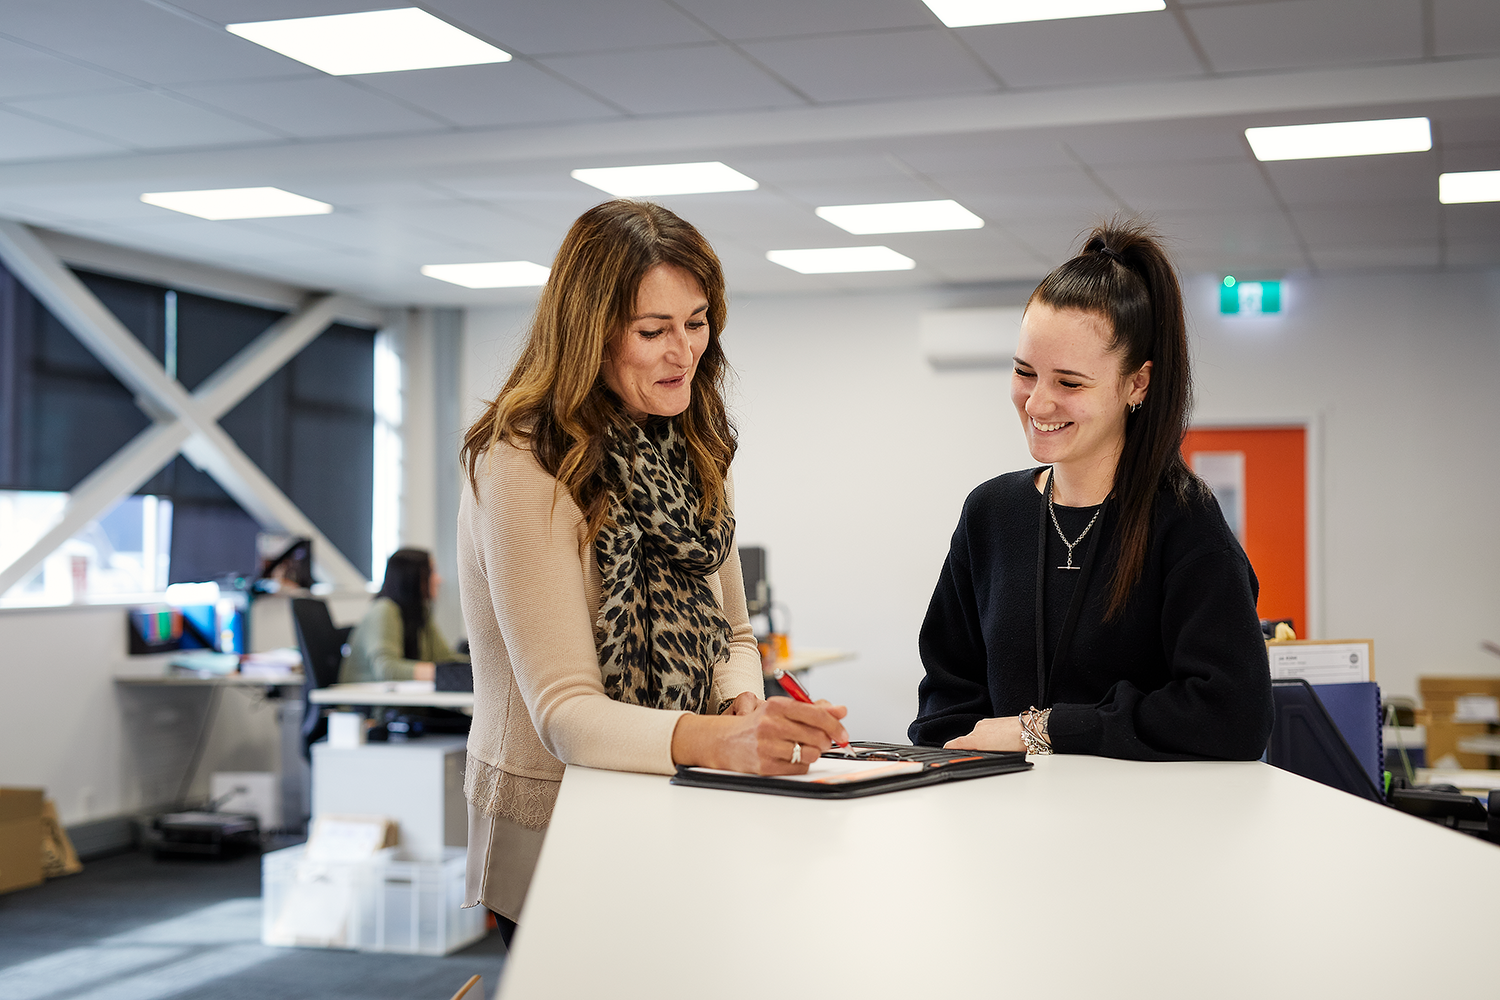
[(778, 736)]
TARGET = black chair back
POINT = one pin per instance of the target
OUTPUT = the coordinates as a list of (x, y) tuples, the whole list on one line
[(322, 646)]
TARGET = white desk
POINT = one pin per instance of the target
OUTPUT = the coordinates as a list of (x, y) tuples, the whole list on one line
[(409, 693), (805, 658), (1085, 877)]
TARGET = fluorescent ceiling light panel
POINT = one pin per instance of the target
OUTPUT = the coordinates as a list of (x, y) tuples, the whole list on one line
[(238, 203), (493, 274), (1309, 142), (666, 178), (901, 217), (374, 41), (964, 13), (1469, 186), (841, 260)]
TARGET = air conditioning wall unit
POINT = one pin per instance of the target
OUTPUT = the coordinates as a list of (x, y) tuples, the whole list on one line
[(962, 339)]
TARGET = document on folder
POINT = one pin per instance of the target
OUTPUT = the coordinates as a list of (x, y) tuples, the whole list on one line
[(862, 769)]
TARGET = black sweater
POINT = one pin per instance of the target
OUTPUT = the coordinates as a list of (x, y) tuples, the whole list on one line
[(1180, 674)]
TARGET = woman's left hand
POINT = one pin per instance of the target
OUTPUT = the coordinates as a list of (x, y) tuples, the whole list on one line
[(991, 734), (743, 704)]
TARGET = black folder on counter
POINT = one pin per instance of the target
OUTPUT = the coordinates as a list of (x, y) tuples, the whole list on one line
[(863, 769)]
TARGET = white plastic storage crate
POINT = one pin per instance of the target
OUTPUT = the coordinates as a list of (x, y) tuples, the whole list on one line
[(386, 904), (416, 907)]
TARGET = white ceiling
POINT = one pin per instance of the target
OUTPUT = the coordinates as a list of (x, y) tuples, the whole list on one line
[(1040, 128)]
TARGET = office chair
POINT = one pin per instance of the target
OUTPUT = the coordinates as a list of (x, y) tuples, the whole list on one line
[(322, 648)]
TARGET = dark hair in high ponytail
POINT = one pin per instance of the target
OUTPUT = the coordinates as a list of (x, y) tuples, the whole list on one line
[(1124, 274)]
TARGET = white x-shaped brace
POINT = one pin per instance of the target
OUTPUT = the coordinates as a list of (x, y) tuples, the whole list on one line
[(183, 422)]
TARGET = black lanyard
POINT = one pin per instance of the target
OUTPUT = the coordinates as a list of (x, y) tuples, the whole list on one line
[(1044, 676)]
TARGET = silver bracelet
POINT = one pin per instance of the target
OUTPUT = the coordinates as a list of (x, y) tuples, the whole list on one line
[(1034, 730)]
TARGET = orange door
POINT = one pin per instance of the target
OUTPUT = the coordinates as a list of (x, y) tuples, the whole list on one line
[(1260, 476)]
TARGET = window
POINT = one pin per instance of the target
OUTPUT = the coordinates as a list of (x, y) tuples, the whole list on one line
[(310, 428)]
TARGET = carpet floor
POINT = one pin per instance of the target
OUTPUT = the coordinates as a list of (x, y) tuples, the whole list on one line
[(131, 927)]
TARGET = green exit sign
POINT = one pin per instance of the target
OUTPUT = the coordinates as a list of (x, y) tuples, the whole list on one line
[(1249, 296)]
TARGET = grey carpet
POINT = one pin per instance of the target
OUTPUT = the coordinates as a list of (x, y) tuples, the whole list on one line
[(130, 927)]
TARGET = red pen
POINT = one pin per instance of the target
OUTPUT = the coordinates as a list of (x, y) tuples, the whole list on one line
[(794, 690)]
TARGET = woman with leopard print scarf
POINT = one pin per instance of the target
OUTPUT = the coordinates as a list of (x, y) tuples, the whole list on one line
[(597, 566)]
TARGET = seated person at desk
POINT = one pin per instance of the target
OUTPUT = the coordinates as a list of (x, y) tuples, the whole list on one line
[(397, 639), (597, 564), (1099, 604)]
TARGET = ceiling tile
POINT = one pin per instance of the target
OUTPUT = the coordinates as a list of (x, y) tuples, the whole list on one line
[(25, 72), (315, 106), (780, 18), (1073, 51), (1348, 180), (512, 93), (489, 231), (919, 63), (1162, 142), (1297, 33), (980, 151), (1377, 257), (760, 219), (1390, 223), (1152, 188), (1002, 196), (1473, 223), (234, 11), (145, 119), (140, 40), (25, 138), (559, 27), (1469, 156), (675, 80), (1472, 253), (1465, 27)]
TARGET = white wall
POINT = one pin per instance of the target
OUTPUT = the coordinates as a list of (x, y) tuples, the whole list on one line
[(101, 749), (856, 457)]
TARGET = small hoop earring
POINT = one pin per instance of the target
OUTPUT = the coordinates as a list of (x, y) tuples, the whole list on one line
[(1134, 407)]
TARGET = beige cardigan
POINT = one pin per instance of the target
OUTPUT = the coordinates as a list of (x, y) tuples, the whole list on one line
[(529, 583)]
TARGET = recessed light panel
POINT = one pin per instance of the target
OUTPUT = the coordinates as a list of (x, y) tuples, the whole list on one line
[(1372, 138), (238, 203), (963, 13), (1469, 186), (374, 41), (666, 178), (493, 274), (901, 217), (841, 260)]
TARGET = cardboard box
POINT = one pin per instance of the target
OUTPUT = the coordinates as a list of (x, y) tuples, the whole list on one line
[(20, 838), (1440, 697)]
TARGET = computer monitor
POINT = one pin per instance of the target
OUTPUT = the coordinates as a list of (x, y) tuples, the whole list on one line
[(1305, 741), (757, 589), (291, 566)]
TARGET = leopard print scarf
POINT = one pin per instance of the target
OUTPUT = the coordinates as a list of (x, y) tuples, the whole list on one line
[(660, 632)]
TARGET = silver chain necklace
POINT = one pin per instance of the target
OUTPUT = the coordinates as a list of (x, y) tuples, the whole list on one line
[(1053, 512)]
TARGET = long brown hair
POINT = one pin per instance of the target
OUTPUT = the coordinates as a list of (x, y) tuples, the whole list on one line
[(1123, 273), (555, 400)]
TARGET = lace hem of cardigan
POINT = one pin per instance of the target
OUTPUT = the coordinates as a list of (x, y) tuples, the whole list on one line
[(527, 802)]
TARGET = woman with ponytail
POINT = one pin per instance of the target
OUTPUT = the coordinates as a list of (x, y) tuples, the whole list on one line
[(1098, 604), (597, 565)]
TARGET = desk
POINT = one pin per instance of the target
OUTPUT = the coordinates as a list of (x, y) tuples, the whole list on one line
[(805, 658), (393, 693), (1085, 877), (171, 718)]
